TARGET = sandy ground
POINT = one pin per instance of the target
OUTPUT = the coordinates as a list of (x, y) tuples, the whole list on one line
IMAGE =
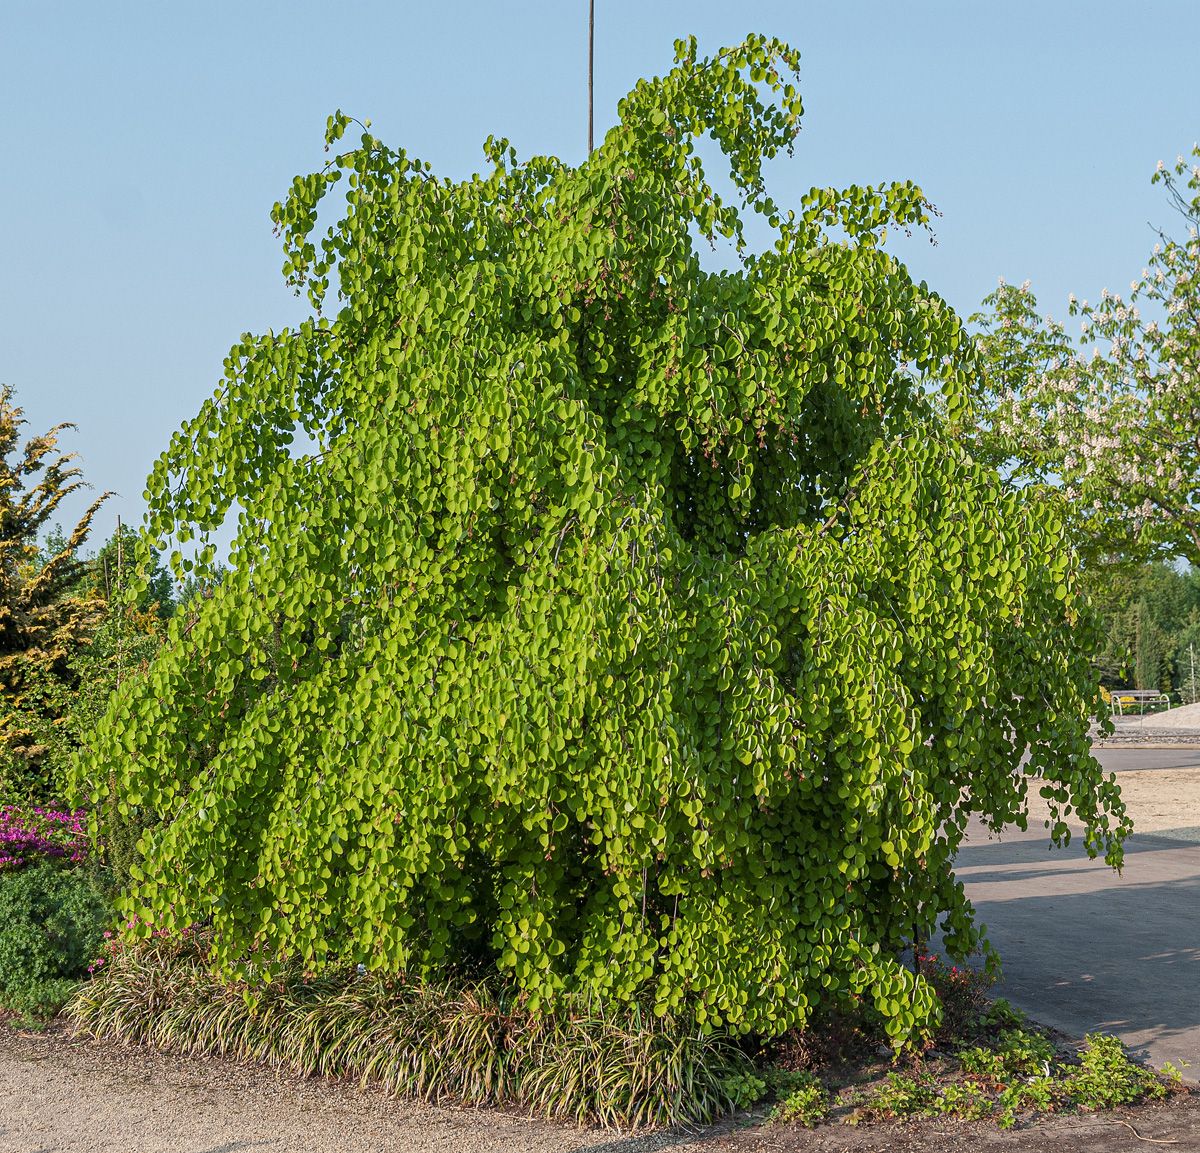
[(1165, 802), (1181, 717), (1162, 802)]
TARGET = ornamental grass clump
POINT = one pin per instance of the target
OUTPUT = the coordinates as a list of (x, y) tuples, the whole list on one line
[(635, 631), (474, 1044)]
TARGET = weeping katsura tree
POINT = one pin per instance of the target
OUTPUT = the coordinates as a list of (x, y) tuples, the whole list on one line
[(597, 619)]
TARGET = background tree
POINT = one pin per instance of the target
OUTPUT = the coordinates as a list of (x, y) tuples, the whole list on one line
[(1118, 427), (628, 627), (44, 618), (108, 573), (124, 640), (1150, 615), (1148, 654), (1186, 661)]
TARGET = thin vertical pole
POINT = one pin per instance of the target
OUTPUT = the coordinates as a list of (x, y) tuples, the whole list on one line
[(120, 604), (591, 65)]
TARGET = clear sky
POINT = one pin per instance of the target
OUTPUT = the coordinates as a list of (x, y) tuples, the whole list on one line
[(146, 142)]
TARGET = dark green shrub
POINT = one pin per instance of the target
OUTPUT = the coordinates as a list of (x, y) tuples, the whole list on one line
[(51, 925)]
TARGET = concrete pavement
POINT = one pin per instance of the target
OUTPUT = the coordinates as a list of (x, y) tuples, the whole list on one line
[(1128, 758), (1087, 949)]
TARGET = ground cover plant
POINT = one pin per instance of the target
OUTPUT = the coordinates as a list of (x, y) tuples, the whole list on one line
[(620, 628), (1018, 1073), (988, 1062)]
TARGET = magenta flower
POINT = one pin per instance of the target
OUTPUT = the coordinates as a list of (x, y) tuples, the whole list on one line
[(31, 834)]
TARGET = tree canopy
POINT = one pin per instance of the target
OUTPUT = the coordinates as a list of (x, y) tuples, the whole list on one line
[(1116, 426), (594, 617)]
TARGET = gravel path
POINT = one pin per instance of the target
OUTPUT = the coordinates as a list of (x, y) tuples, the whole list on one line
[(1158, 730), (59, 1095)]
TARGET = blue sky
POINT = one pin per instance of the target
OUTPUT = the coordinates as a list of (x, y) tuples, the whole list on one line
[(146, 142)]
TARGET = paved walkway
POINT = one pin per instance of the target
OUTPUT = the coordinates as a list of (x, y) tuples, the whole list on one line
[(1120, 760), (1086, 949)]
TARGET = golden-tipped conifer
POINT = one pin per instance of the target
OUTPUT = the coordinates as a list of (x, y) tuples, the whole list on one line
[(44, 617)]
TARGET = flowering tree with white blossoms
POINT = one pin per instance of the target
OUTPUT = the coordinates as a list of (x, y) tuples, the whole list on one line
[(1119, 428)]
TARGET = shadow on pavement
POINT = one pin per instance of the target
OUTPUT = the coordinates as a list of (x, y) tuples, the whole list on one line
[(1085, 949)]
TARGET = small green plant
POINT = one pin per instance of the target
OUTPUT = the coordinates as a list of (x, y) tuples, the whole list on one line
[(805, 1099), (967, 1100), (51, 925), (1034, 1095), (1106, 1077), (1016, 1053), (744, 1089), (782, 1081), (902, 1095), (1001, 1014), (1171, 1073)]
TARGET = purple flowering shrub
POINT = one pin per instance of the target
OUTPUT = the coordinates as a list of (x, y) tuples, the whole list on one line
[(51, 917), (32, 834)]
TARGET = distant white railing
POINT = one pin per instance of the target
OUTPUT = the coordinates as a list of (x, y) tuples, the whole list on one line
[(1139, 697)]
